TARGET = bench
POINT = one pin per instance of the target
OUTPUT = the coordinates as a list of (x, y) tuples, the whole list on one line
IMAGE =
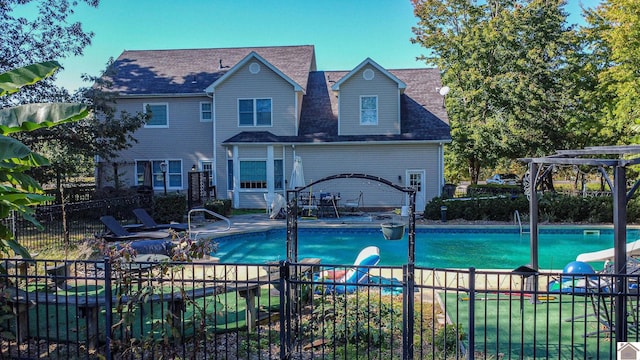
[(89, 306)]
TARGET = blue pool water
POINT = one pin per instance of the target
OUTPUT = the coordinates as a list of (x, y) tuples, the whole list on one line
[(439, 247)]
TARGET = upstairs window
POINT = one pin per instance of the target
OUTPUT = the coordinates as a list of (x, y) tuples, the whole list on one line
[(205, 112), (254, 112), (368, 110), (159, 115)]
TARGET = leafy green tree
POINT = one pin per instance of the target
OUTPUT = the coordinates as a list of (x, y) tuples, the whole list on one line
[(19, 191), (45, 34), (614, 37), (506, 65), (72, 147), (48, 33)]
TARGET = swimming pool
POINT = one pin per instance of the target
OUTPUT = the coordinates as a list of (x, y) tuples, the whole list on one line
[(439, 247)]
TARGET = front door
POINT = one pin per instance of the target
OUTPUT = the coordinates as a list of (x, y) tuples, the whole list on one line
[(415, 179)]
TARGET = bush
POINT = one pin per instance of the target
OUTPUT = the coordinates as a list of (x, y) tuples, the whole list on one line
[(477, 208), (553, 207), (222, 207), (170, 207)]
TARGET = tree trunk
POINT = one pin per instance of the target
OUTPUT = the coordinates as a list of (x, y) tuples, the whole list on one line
[(474, 171)]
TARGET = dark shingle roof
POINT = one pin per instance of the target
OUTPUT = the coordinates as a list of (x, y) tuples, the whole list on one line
[(423, 116), (189, 71)]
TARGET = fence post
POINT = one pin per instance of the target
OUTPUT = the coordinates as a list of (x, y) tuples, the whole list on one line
[(472, 312), (408, 275), (65, 219), (108, 304), (285, 310)]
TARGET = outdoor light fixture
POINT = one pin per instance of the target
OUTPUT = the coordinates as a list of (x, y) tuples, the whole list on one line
[(163, 168), (193, 168), (444, 91)]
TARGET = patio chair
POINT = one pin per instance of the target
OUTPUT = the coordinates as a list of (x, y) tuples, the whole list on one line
[(354, 204), (150, 224), (115, 231)]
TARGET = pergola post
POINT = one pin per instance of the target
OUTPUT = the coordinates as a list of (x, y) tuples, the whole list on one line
[(533, 214), (620, 248)]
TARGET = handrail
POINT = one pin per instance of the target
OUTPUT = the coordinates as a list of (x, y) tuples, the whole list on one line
[(215, 214), (516, 217)]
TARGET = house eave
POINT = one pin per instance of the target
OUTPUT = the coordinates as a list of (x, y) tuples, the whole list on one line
[(348, 143), (150, 96)]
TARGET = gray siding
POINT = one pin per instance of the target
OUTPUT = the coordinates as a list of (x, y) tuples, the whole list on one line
[(388, 104), (187, 138), (386, 161), (242, 85)]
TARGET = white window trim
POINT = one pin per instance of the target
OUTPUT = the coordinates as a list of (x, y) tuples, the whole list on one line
[(169, 187), (266, 161), (213, 169), (181, 173), (210, 110), (144, 110), (255, 112), (360, 113)]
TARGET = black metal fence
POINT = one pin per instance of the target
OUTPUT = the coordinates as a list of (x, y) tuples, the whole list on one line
[(73, 222), (141, 309)]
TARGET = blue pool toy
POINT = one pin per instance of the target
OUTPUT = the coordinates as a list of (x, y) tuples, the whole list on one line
[(347, 281), (574, 279)]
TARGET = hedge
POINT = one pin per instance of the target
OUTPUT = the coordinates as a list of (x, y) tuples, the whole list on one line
[(553, 207)]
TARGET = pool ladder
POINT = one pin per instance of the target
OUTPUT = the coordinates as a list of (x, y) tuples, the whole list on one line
[(194, 234), (516, 219)]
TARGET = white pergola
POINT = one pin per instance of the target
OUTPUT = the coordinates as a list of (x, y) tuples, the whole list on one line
[(617, 158)]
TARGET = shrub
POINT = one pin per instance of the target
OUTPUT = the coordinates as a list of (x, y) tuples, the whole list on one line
[(170, 207), (553, 207), (477, 208), (222, 207)]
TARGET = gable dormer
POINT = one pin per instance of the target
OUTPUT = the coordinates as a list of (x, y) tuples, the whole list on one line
[(255, 95), (368, 101)]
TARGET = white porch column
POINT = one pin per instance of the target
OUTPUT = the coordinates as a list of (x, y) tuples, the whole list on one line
[(270, 170), (236, 177)]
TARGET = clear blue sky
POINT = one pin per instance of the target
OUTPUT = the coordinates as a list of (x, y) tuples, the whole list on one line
[(344, 32)]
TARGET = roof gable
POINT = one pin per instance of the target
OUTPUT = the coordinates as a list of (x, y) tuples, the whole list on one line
[(368, 61), (252, 56)]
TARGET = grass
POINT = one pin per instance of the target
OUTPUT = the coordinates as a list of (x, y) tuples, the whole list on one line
[(147, 321), (549, 329)]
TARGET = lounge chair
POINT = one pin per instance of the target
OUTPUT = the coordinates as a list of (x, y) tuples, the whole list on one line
[(351, 277), (150, 224), (118, 232)]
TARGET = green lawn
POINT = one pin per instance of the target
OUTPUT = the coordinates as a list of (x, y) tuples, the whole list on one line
[(505, 325)]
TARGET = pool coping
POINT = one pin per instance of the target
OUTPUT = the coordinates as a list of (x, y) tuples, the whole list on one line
[(242, 224)]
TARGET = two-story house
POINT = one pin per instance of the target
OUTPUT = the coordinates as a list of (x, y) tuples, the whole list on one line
[(245, 114)]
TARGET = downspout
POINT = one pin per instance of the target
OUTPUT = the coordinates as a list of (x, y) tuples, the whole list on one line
[(441, 167), (214, 144)]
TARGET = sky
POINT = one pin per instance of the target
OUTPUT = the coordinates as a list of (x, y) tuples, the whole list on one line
[(344, 32)]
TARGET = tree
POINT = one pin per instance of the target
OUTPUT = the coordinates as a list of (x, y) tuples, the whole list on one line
[(48, 34), (45, 35), (506, 65), (614, 38), (72, 147), (18, 191)]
